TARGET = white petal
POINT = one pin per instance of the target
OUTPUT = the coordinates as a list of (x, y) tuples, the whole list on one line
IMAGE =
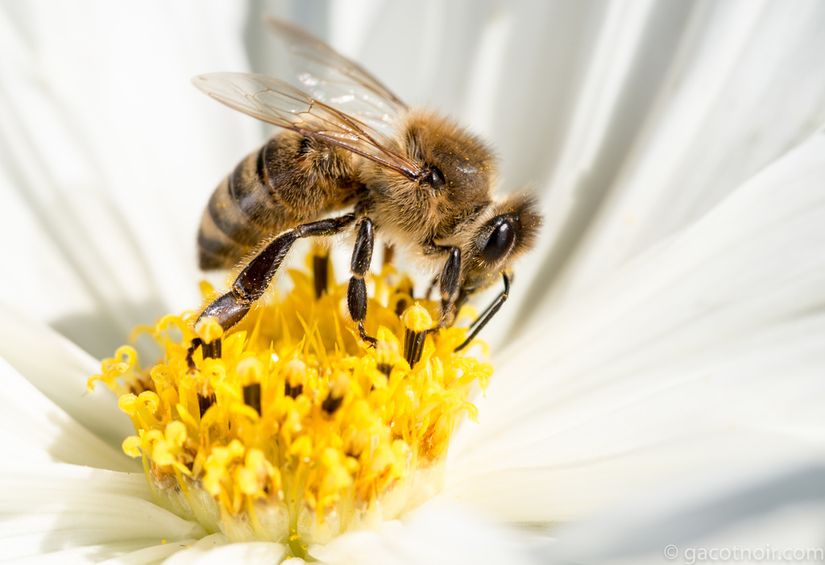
[(53, 507), (217, 549), (774, 519), (214, 550), (32, 428), (131, 552), (714, 336), (59, 370), (151, 554), (110, 155), (437, 532), (198, 549)]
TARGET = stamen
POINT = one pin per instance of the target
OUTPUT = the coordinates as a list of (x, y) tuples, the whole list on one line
[(389, 254), (292, 391), (252, 396), (320, 272), (210, 333), (386, 351), (212, 350), (336, 394), (294, 378), (204, 402), (403, 295), (190, 352), (250, 371), (418, 322), (331, 403)]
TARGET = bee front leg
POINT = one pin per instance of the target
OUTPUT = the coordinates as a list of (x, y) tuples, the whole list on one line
[(449, 285), (359, 265), (230, 308), (488, 313)]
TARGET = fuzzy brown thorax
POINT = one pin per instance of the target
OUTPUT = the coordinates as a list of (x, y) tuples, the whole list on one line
[(461, 172)]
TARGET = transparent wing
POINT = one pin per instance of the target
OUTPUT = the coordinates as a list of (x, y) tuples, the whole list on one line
[(279, 103), (316, 68)]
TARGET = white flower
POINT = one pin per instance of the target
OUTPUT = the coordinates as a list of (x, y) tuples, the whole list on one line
[(666, 336)]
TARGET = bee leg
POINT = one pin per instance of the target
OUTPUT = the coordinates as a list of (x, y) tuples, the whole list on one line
[(253, 280), (488, 313), (359, 265), (431, 288), (450, 279)]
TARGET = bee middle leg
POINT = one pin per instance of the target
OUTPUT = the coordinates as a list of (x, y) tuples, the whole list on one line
[(230, 308), (359, 265)]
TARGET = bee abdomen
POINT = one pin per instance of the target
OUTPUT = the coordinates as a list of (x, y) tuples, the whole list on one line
[(240, 214), (290, 180)]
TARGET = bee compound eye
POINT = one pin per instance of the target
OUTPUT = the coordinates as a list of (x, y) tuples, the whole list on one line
[(435, 177), (499, 242)]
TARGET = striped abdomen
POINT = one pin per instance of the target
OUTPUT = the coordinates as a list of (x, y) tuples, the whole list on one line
[(290, 180)]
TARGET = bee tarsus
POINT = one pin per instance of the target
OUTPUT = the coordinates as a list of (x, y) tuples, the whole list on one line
[(359, 265)]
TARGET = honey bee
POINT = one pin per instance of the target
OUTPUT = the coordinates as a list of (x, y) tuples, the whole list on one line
[(414, 177)]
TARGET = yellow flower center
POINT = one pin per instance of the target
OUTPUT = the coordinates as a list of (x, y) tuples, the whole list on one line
[(290, 428)]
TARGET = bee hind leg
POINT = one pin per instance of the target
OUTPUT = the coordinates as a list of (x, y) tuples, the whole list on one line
[(488, 313), (359, 265), (230, 308)]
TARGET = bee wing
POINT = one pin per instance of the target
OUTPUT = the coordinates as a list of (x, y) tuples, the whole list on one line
[(279, 103), (318, 69)]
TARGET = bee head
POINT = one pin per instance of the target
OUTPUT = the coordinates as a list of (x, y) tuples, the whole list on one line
[(507, 230)]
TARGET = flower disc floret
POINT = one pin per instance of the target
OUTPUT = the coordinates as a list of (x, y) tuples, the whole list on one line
[(296, 430)]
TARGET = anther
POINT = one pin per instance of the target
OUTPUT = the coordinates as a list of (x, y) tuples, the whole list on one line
[(251, 371), (404, 291), (320, 271), (332, 403), (293, 391), (205, 401), (389, 254), (386, 351), (252, 396), (413, 346), (418, 323), (212, 350), (210, 333), (193, 346), (294, 378), (337, 390)]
